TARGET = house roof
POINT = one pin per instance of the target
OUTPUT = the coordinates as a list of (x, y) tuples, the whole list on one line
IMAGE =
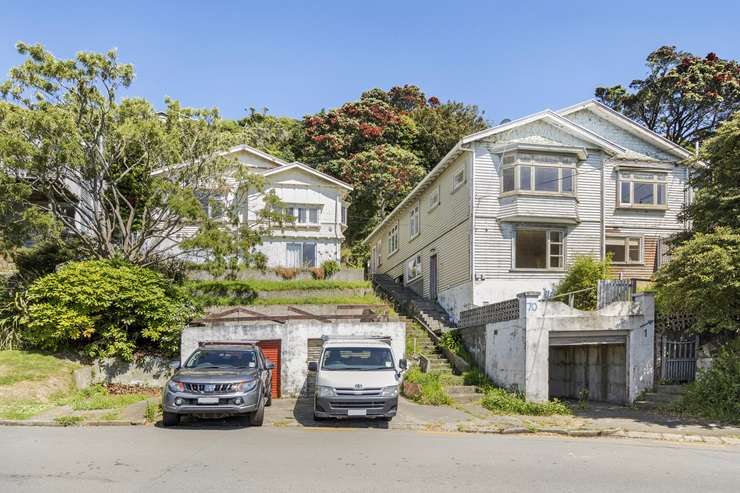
[(307, 169), (628, 125)]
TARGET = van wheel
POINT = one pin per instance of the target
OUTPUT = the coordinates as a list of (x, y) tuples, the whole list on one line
[(170, 419), (258, 417)]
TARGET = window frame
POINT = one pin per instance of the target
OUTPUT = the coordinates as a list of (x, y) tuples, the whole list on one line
[(431, 206), (626, 239), (455, 184), (626, 176), (548, 252), (414, 261), (393, 238), (303, 251), (414, 221), (533, 161), (379, 253), (296, 214)]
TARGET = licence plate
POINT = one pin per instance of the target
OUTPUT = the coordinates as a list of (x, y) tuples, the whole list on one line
[(356, 412), (207, 400)]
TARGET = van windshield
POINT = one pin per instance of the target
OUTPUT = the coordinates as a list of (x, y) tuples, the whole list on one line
[(357, 358)]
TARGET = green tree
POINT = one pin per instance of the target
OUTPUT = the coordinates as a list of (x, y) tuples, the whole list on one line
[(683, 97), (583, 276), (276, 135), (703, 279)]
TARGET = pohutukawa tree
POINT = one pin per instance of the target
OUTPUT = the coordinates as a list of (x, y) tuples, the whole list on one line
[(79, 161)]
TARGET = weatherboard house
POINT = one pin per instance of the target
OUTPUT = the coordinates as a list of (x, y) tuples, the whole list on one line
[(509, 208), (318, 203)]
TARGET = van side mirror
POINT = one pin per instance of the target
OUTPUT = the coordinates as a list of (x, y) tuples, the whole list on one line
[(403, 364), (313, 366), (175, 365), (269, 365)]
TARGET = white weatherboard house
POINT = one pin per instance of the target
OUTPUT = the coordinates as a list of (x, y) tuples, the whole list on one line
[(317, 201), (508, 209)]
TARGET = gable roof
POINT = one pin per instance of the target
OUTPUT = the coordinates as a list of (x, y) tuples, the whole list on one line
[(237, 148), (309, 170), (628, 125)]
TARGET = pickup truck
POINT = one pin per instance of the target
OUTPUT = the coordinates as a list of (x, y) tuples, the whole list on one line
[(357, 377)]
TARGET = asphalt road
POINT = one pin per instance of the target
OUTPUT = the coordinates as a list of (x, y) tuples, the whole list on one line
[(306, 460)]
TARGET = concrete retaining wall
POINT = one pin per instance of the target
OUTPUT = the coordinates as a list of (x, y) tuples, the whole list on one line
[(148, 371), (294, 337), (345, 274)]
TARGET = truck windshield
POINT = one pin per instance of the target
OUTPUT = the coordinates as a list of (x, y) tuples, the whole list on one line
[(357, 358), (211, 358)]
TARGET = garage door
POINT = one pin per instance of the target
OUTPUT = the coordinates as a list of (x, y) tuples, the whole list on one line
[(314, 353), (595, 371), (271, 349)]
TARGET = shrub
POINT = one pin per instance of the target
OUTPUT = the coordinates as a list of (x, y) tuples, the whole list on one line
[(504, 402), (432, 392), (286, 273), (317, 273), (716, 392), (330, 267), (13, 309), (105, 308), (584, 273), (475, 376), (212, 293)]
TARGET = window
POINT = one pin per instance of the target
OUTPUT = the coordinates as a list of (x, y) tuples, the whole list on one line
[(539, 173), (393, 240), (299, 255), (413, 268), (344, 215), (624, 250), (213, 203), (414, 226), (539, 249), (433, 198), (379, 253), (644, 190), (304, 215), (458, 179)]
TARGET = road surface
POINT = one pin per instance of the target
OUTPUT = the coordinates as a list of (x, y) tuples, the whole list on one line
[(190, 459)]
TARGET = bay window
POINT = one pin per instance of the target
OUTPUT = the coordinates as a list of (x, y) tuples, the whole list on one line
[(641, 190), (539, 249), (539, 173), (624, 249)]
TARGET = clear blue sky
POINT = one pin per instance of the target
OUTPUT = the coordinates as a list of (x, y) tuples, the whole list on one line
[(510, 58)]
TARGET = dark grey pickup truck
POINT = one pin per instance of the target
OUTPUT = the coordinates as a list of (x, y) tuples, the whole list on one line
[(220, 379)]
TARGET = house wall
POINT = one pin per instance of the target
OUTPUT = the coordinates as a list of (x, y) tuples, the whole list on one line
[(294, 342), (444, 230), (276, 249)]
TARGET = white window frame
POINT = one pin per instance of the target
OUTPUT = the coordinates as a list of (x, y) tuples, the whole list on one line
[(533, 161), (459, 183), (393, 239), (379, 253), (413, 266), (296, 214), (548, 254), (343, 215), (414, 221), (434, 199), (631, 177), (626, 239)]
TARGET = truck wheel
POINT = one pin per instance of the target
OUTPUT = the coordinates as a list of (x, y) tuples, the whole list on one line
[(258, 417), (170, 419)]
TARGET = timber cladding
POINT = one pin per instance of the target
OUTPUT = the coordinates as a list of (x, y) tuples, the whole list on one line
[(643, 271)]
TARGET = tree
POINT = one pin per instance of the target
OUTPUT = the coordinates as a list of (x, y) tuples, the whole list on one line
[(381, 176), (717, 199), (683, 97), (80, 162), (276, 135), (584, 274), (703, 279)]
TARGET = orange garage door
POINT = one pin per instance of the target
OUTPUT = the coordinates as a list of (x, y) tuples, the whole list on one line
[(271, 349)]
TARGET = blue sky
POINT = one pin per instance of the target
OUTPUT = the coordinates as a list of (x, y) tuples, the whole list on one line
[(509, 58)]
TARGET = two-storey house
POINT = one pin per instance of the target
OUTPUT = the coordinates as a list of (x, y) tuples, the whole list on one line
[(508, 209), (318, 203)]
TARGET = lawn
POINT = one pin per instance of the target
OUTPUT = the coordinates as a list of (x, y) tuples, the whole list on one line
[(25, 366), (321, 300)]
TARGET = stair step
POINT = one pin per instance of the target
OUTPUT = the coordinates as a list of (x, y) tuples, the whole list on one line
[(462, 389), (671, 389), (662, 398), (470, 397)]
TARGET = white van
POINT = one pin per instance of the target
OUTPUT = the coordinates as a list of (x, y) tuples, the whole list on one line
[(357, 377)]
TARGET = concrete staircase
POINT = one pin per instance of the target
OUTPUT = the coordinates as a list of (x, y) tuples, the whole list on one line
[(422, 343), (663, 396), (407, 301)]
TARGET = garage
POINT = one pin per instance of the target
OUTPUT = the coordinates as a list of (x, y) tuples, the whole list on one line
[(593, 366), (271, 349)]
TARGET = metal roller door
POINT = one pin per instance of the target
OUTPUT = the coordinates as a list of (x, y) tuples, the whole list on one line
[(271, 349)]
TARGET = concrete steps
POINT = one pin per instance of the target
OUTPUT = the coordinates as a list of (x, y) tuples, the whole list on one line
[(663, 396)]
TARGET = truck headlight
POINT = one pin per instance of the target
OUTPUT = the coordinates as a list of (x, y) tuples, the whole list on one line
[(176, 386), (324, 391), (247, 386), (391, 391)]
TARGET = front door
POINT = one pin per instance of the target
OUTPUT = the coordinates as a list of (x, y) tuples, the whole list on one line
[(433, 277)]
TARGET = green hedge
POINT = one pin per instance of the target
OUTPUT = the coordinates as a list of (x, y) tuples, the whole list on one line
[(218, 293)]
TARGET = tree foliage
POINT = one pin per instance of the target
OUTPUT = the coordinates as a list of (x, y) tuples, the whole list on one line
[(703, 279), (584, 274), (683, 97), (105, 309)]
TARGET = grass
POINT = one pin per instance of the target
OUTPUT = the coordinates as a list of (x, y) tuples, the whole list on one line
[(153, 411), (502, 401), (22, 409), (321, 300), (432, 391), (24, 366), (263, 285), (111, 416), (69, 420), (97, 397)]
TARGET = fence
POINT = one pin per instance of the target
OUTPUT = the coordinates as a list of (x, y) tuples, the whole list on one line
[(677, 359), (495, 312), (609, 291)]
